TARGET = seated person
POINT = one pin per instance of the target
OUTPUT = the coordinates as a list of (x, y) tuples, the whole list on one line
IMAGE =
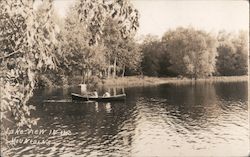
[(94, 94), (106, 94)]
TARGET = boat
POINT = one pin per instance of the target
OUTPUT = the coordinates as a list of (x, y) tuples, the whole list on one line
[(78, 97)]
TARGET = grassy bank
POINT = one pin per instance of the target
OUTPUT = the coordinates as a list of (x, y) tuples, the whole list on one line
[(138, 81)]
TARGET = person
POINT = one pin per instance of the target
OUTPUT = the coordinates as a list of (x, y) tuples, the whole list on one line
[(83, 89), (95, 94), (106, 94)]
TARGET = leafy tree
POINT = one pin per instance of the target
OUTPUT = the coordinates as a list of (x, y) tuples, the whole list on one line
[(232, 54), (82, 46), (151, 49), (26, 44), (155, 60), (130, 60), (192, 52), (94, 13), (76, 53), (25, 47), (121, 53)]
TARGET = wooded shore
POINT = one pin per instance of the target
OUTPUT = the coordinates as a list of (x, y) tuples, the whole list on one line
[(145, 81), (133, 81)]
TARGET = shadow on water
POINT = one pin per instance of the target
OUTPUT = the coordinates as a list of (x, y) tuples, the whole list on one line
[(153, 121)]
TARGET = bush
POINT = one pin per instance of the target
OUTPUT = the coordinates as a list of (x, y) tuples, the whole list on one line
[(44, 81)]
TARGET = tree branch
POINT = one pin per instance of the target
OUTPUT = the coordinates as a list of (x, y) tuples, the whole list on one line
[(6, 56)]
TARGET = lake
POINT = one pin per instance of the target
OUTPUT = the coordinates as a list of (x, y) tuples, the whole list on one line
[(203, 119)]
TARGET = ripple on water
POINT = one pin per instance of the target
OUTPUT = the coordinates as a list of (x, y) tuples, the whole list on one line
[(154, 121)]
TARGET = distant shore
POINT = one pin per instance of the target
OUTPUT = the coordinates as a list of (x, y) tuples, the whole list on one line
[(145, 81), (134, 81)]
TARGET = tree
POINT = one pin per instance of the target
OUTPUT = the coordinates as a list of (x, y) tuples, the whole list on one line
[(121, 53), (151, 49), (84, 41), (76, 53), (192, 52), (94, 13), (26, 48), (155, 60), (232, 54), (130, 60), (26, 44)]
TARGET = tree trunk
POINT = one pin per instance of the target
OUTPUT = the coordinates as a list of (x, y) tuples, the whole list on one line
[(114, 72), (88, 73), (123, 71), (114, 90), (105, 73), (109, 69), (83, 77), (108, 74), (109, 90)]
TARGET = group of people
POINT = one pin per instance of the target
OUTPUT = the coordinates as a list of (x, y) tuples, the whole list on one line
[(95, 94)]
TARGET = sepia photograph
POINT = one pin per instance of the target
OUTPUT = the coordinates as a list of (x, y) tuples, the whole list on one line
[(124, 78)]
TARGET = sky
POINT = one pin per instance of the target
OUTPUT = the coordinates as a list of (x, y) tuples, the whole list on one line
[(158, 16)]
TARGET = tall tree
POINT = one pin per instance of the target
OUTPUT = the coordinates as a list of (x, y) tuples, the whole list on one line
[(233, 54), (130, 60), (94, 13), (26, 47), (26, 44), (84, 44), (121, 53), (76, 53), (192, 52), (151, 49)]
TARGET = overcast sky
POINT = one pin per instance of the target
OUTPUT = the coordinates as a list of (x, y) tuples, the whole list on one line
[(157, 16)]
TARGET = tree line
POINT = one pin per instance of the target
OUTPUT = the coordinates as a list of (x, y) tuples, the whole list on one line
[(181, 52), (192, 53)]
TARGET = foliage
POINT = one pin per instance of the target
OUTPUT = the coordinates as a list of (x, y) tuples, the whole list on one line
[(155, 59), (83, 48), (26, 44), (44, 81), (151, 49), (123, 53), (132, 57), (192, 52), (30, 43), (75, 52), (27, 39), (94, 13), (195, 53), (232, 54)]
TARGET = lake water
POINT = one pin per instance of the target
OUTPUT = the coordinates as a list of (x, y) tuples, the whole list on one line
[(203, 119)]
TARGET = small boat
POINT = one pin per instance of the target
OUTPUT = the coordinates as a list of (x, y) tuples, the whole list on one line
[(78, 97)]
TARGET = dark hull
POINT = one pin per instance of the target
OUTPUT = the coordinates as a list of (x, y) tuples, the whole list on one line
[(78, 97)]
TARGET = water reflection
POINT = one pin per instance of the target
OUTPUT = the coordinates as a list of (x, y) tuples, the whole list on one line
[(199, 122), (166, 120)]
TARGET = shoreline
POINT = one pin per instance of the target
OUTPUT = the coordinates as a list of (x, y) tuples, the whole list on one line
[(136, 81), (131, 81)]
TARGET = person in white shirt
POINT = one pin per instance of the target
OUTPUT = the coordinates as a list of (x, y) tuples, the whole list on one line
[(106, 94), (95, 94)]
